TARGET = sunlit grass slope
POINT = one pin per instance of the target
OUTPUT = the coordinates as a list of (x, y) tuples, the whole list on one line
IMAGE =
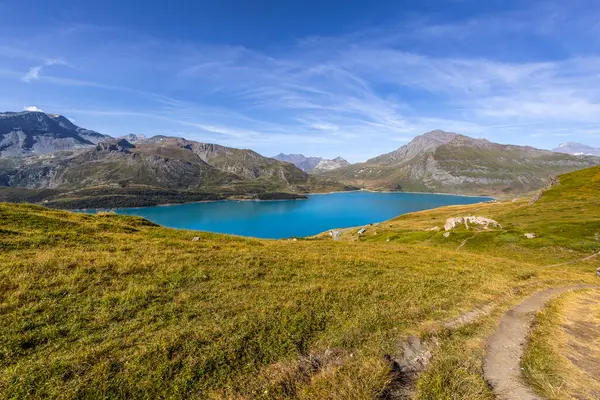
[(115, 307), (563, 353)]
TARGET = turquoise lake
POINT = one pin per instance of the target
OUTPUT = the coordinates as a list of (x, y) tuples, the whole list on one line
[(282, 219)]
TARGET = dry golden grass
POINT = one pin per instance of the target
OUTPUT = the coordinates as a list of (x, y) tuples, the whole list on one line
[(563, 355), (116, 307)]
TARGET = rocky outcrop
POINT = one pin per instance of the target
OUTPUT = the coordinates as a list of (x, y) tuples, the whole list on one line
[(454, 222), (553, 181)]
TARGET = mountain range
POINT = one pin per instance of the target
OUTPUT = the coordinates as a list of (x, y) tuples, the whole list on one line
[(48, 154), (312, 164), (441, 161), (577, 149), (72, 159)]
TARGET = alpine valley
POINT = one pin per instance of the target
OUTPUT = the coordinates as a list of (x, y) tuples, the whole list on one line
[(45, 158)]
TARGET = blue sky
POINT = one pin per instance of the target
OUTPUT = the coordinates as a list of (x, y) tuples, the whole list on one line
[(323, 78)]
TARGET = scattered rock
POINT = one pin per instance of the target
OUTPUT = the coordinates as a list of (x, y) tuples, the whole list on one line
[(452, 223), (195, 239), (434, 229), (447, 234), (530, 235), (405, 369)]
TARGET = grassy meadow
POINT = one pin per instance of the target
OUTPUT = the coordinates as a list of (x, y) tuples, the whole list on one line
[(108, 306), (562, 356)]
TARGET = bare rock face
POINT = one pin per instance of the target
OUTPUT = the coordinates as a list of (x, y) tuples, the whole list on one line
[(330, 165), (454, 222), (29, 133)]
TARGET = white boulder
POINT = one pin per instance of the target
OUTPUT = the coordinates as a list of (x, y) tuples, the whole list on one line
[(452, 223)]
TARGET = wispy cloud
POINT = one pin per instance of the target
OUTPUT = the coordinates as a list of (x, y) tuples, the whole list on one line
[(358, 95), (35, 71), (33, 108)]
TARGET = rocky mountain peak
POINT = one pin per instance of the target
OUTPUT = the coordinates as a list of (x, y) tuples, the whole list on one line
[(577, 149), (35, 132), (306, 164), (420, 144)]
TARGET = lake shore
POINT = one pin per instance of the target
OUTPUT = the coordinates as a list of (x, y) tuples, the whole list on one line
[(277, 219)]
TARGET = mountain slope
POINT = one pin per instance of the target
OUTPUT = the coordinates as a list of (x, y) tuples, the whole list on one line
[(116, 162), (441, 161), (28, 132), (577, 149), (306, 164), (123, 174), (47, 151)]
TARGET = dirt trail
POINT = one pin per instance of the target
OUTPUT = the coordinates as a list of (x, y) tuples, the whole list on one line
[(575, 261), (505, 346), (464, 242)]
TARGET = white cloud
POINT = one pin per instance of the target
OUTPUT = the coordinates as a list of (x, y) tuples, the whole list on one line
[(35, 71), (364, 92), (33, 108), (33, 74)]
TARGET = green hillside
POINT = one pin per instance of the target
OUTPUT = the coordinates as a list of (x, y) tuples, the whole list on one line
[(108, 306)]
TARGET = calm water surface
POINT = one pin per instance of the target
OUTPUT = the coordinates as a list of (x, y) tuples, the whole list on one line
[(282, 219)]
